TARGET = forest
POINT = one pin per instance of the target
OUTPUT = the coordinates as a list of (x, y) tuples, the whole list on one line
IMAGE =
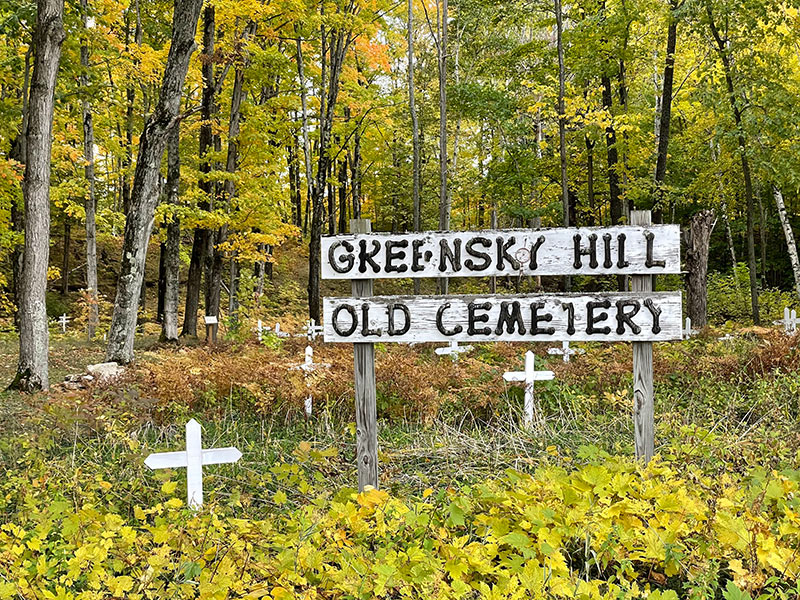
[(187, 185)]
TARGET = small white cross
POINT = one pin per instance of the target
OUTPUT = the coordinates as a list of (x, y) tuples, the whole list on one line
[(63, 320), (529, 375), (789, 321), (453, 350), (279, 333), (565, 351), (687, 329), (260, 330), (308, 366), (193, 459), (312, 330)]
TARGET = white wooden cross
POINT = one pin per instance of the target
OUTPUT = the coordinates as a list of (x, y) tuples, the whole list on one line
[(260, 330), (308, 366), (193, 459), (687, 329), (63, 320), (279, 333), (453, 350), (789, 321), (565, 351), (312, 330), (529, 375)]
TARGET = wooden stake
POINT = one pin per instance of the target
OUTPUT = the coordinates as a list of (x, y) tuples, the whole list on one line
[(643, 397), (364, 368)]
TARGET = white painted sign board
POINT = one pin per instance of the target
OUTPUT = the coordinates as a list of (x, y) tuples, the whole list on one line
[(211, 320), (623, 250), (608, 317)]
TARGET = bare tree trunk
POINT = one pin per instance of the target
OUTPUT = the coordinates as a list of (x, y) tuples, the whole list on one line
[(355, 174), (343, 195), (144, 196), (172, 258), (444, 198), (130, 94), (65, 257), (729, 235), (306, 142), (412, 107), (698, 237), (90, 202), (19, 153), (202, 237), (722, 50), (562, 126), (32, 370), (665, 117), (590, 178), (762, 230), (340, 40), (787, 231)]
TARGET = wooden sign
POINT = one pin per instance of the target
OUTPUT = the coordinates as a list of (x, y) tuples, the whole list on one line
[(611, 317), (623, 250)]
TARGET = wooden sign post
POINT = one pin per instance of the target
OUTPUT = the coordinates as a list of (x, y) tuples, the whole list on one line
[(366, 394), (212, 324), (641, 316)]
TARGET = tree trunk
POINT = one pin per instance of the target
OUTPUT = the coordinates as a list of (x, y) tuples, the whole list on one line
[(130, 93), (412, 107), (355, 174), (762, 230), (665, 117), (612, 155), (65, 257), (787, 231), (722, 50), (698, 237), (306, 142), (144, 196), (562, 127), (590, 178), (161, 284), (444, 199), (90, 202), (343, 195), (729, 235), (339, 43), (172, 258), (202, 236), (19, 153), (32, 370)]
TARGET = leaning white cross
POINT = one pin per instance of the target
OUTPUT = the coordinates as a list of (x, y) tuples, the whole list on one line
[(312, 330), (307, 367), (529, 375), (687, 329), (789, 321), (63, 320), (565, 351), (453, 350), (193, 459)]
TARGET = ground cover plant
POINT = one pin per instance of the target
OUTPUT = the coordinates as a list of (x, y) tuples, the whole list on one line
[(471, 505)]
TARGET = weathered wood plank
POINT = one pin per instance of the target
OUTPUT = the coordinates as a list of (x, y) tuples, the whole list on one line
[(643, 394), (608, 317), (365, 389), (563, 251)]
